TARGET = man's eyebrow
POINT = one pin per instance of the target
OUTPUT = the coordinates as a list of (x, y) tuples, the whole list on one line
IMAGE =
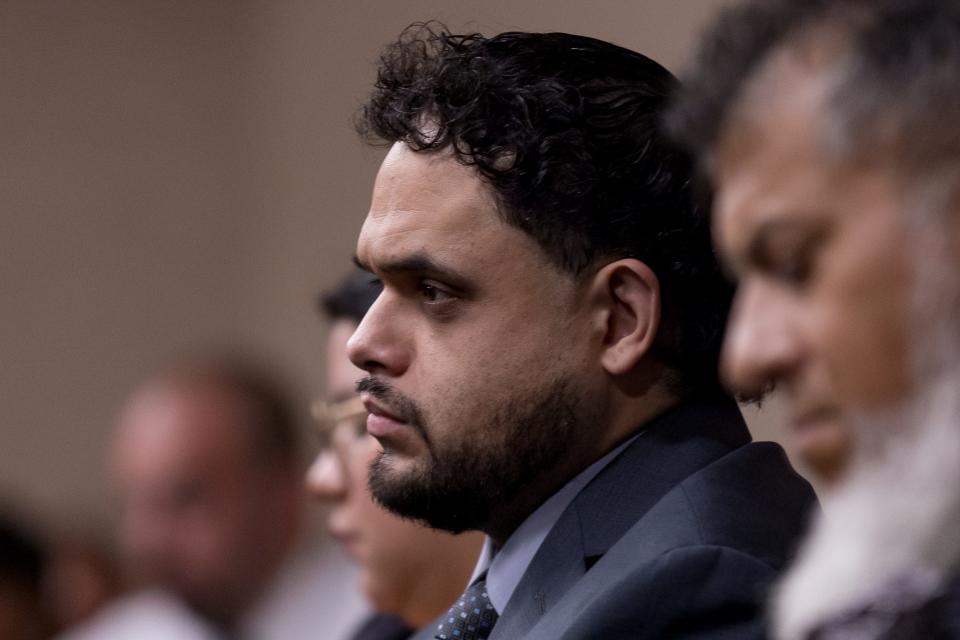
[(757, 250), (420, 263), (738, 258)]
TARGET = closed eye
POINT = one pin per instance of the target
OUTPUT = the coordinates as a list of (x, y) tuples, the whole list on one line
[(794, 270), (788, 251)]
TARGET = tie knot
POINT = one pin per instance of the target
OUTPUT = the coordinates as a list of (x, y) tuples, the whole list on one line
[(471, 617)]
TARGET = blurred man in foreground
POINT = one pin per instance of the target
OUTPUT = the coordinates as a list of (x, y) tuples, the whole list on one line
[(830, 131), (205, 459), (409, 572), (542, 359)]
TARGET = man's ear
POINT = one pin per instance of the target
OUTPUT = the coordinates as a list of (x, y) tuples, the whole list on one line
[(629, 292)]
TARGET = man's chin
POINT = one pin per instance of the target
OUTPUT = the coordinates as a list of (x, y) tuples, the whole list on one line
[(393, 480), (418, 492), (404, 444), (392, 467), (825, 452)]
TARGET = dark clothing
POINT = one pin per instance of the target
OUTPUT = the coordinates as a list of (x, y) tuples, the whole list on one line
[(680, 536), (383, 627)]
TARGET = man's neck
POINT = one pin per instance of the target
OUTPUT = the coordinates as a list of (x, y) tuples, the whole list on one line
[(628, 419)]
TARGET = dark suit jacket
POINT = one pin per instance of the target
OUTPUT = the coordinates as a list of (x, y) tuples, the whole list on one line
[(680, 536)]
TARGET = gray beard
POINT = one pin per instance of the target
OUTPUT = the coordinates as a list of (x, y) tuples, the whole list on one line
[(893, 520)]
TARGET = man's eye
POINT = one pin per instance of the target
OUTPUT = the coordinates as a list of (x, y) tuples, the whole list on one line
[(794, 263), (434, 294), (795, 272)]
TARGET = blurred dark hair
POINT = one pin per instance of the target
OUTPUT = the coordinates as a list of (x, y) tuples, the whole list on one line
[(352, 297), (566, 131), (898, 75)]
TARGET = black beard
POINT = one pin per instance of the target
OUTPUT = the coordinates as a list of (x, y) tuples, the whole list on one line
[(461, 489)]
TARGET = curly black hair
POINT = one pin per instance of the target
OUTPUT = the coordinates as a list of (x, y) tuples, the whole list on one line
[(567, 132)]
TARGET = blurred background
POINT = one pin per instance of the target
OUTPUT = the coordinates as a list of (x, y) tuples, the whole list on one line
[(184, 174)]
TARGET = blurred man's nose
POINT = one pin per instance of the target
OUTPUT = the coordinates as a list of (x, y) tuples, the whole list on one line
[(326, 479), (761, 346), (379, 345)]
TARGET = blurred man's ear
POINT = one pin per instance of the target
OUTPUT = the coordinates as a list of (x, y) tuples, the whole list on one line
[(628, 294)]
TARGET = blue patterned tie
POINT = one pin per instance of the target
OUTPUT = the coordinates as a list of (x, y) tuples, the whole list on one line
[(471, 617)]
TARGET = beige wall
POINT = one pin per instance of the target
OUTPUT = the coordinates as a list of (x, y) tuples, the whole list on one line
[(180, 173), (121, 183)]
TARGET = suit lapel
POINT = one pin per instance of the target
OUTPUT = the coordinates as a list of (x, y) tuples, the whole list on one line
[(670, 448), (556, 567)]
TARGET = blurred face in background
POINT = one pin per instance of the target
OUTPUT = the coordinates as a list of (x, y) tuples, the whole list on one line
[(825, 306), (406, 569), (200, 514), (817, 255)]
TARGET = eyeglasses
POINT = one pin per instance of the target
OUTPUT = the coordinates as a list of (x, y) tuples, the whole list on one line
[(329, 416)]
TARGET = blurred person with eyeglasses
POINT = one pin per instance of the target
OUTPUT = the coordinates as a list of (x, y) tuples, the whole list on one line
[(410, 573)]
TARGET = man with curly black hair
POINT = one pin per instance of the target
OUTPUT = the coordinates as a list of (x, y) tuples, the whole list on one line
[(542, 359), (830, 131)]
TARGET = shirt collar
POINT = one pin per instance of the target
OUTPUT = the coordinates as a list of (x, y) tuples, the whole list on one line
[(505, 568)]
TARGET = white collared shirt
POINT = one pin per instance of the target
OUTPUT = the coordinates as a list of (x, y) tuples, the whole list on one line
[(505, 568)]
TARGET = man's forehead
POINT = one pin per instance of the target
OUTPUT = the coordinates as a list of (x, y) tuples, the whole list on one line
[(783, 97), (772, 152), (427, 203), (183, 418), (411, 180)]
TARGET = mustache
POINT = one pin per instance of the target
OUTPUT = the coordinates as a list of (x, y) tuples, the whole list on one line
[(400, 405)]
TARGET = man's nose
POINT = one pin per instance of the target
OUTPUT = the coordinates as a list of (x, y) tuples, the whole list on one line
[(380, 345), (762, 345), (326, 479)]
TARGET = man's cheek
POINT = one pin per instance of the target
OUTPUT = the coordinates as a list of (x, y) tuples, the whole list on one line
[(864, 360), (828, 330)]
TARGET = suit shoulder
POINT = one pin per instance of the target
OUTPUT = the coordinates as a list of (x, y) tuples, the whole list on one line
[(751, 500), (692, 592)]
